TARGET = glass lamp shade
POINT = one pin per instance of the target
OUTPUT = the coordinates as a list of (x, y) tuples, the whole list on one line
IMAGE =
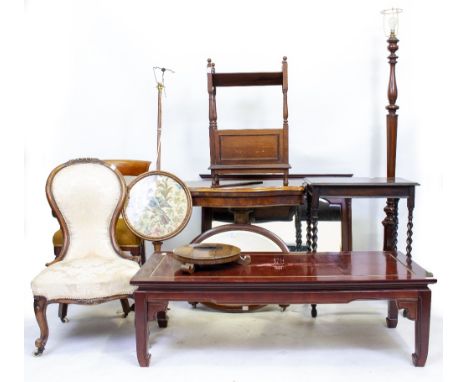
[(390, 21)]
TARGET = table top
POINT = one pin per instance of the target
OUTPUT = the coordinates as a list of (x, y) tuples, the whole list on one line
[(359, 181), (204, 186), (162, 269)]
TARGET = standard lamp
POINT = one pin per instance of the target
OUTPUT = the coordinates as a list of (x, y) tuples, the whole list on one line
[(390, 24), (390, 223)]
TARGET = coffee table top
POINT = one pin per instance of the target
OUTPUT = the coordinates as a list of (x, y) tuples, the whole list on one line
[(162, 269)]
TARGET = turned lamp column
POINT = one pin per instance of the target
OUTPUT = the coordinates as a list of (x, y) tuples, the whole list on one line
[(390, 222)]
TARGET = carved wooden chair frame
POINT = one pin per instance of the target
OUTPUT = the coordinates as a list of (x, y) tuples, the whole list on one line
[(40, 302)]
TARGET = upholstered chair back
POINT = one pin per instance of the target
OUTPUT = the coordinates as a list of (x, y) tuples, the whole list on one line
[(87, 196)]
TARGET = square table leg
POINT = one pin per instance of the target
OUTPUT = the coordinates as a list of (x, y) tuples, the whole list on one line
[(422, 325), (141, 328)]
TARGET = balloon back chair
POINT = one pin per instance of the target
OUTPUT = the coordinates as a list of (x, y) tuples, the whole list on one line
[(126, 239), (86, 196)]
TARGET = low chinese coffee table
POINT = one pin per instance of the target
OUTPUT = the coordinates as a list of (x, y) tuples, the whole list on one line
[(292, 278)]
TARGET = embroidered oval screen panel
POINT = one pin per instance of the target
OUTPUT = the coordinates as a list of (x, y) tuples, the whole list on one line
[(158, 206)]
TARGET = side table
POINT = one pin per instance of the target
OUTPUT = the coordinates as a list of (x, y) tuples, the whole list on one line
[(393, 188), (356, 187)]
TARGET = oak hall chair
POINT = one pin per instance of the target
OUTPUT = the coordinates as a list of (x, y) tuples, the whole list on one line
[(248, 238), (126, 239), (248, 151), (86, 196)]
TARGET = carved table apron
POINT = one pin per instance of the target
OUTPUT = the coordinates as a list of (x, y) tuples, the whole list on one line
[(294, 278)]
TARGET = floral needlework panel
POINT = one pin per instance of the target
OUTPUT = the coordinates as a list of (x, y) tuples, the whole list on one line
[(157, 206)]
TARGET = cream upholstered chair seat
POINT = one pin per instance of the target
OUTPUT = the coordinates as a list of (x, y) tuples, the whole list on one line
[(90, 277)]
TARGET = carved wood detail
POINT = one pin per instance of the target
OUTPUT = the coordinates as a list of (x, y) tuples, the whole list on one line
[(410, 308), (40, 308), (298, 225), (154, 308)]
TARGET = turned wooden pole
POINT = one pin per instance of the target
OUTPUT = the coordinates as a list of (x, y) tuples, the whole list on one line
[(158, 141), (157, 246), (392, 117), (391, 210)]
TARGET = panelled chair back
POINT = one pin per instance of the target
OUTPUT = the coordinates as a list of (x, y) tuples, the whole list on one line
[(86, 196), (248, 238), (248, 151)]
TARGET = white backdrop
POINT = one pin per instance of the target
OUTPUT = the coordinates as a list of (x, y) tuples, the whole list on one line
[(91, 93)]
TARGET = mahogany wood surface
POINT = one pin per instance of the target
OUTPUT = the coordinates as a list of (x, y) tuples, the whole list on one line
[(394, 188), (272, 176), (248, 79), (129, 167), (391, 210), (246, 202), (248, 151), (274, 212), (269, 193), (280, 278), (324, 268), (205, 236)]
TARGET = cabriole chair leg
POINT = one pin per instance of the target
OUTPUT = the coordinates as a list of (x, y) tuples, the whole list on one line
[(40, 308)]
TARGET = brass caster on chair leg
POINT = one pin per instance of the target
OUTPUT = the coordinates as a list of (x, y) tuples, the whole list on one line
[(313, 312), (405, 313), (64, 320), (194, 304), (38, 352), (283, 307)]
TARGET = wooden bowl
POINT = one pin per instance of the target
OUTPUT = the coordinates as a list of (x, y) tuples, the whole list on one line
[(208, 254)]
